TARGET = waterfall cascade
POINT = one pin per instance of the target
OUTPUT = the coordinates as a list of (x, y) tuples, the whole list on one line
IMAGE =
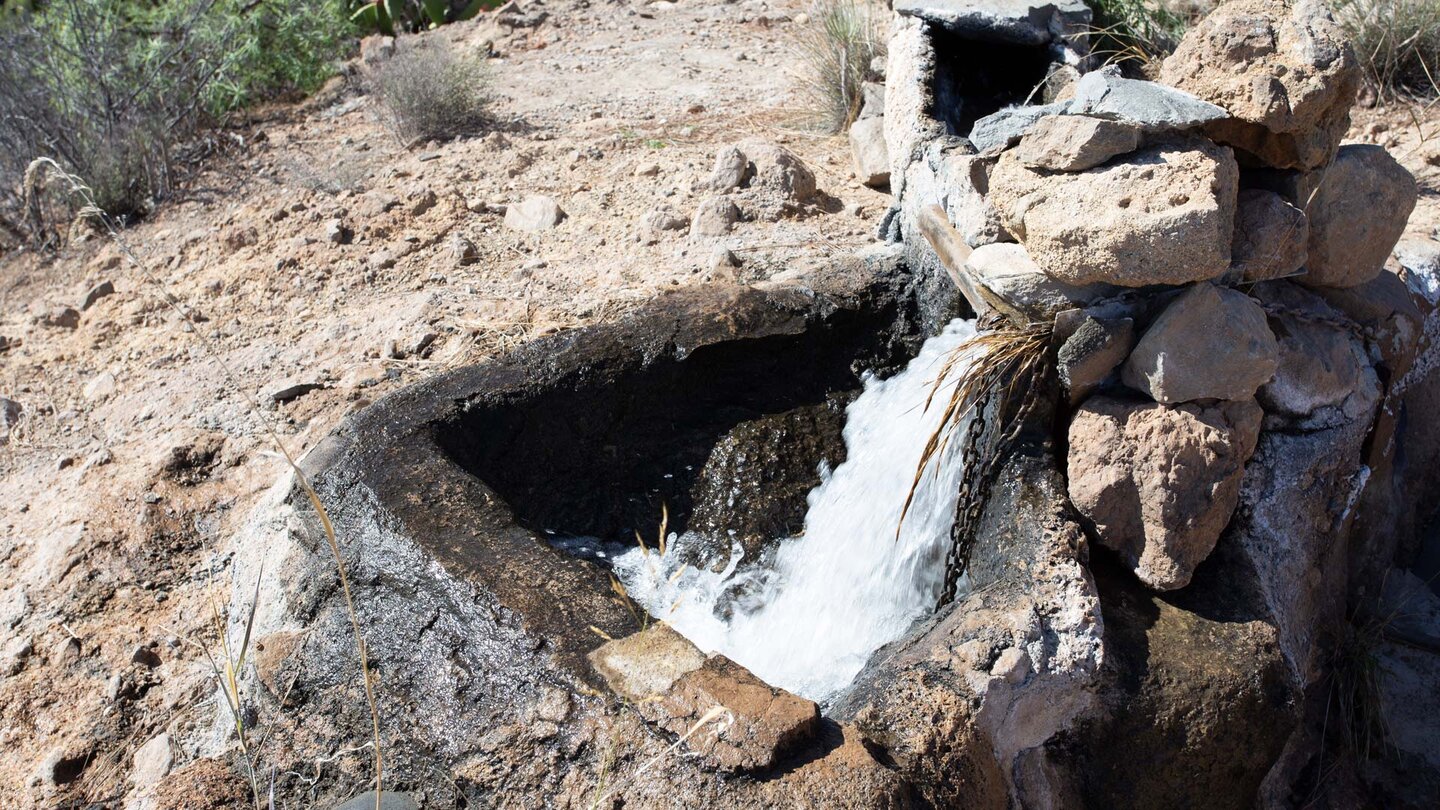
[(809, 621)]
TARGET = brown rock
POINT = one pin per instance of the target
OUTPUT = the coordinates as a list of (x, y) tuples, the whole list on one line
[(1209, 343), (1270, 237), (1073, 143), (1158, 483), (61, 318), (764, 723), (1283, 69), (1385, 307), (1356, 216), (713, 217), (1163, 215)]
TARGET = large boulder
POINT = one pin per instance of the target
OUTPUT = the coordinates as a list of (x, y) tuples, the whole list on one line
[(1284, 71), (1162, 215), (1324, 375), (1209, 343), (1270, 237), (1357, 214), (1158, 483)]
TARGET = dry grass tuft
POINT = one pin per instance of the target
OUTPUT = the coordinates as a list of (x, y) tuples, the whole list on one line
[(1398, 43), (836, 48), (1004, 372), (432, 92)]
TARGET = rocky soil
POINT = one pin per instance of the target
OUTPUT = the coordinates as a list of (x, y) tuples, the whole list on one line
[(315, 266)]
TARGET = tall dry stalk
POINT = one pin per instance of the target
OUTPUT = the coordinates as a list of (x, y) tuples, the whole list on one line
[(89, 209)]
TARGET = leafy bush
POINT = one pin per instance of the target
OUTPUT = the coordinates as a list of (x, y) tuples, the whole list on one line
[(412, 16), (431, 91), (1398, 42), (836, 47), (108, 87)]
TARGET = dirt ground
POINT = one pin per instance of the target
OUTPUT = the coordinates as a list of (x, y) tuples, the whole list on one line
[(137, 453)]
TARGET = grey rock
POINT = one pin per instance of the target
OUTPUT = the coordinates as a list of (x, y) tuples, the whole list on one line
[(537, 213), (14, 655), (10, 412), (381, 260), (338, 233), (101, 290), (1006, 269), (1072, 143), (1419, 261), (376, 48), (872, 100), (61, 318), (714, 217), (1409, 610), (867, 147), (463, 251), (1150, 106), (1270, 237), (1209, 343), (389, 800), (1001, 130), (101, 386), (731, 169), (1323, 377), (1092, 353), (152, 762), (779, 180), (1357, 216), (1023, 22)]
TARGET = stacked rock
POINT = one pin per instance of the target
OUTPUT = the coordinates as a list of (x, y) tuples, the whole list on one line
[(1209, 252)]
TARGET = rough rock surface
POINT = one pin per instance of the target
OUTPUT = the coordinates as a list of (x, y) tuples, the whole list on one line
[(1158, 483), (1209, 343), (536, 213), (1000, 708), (1282, 69), (645, 665), (1003, 129), (1073, 143), (1023, 22), (1163, 215), (779, 181), (1090, 355), (1006, 268), (1152, 107), (867, 146), (1324, 375), (713, 217), (1356, 216), (730, 171), (1270, 237)]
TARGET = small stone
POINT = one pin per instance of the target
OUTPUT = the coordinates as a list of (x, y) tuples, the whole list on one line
[(647, 170), (536, 213), (463, 251), (1090, 356), (724, 257), (867, 146), (421, 199), (1001, 130), (338, 233), (101, 386), (289, 390), (730, 170), (376, 48), (62, 318), (714, 217), (10, 412), (1270, 237), (101, 290), (14, 655), (1006, 269), (1158, 483), (1072, 143), (1209, 343), (152, 762), (389, 800), (145, 657), (381, 260), (1356, 217), (663, 220)]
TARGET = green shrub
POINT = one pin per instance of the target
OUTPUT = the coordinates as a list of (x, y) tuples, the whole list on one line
[(108, 87), (1136, 31), (1397, 41), (430, 91), (412, 16), (836, 46)]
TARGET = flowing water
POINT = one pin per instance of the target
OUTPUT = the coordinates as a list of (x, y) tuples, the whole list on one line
[(848, 585)]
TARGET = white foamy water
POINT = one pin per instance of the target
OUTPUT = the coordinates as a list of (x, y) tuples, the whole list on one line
[(846, 586)]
